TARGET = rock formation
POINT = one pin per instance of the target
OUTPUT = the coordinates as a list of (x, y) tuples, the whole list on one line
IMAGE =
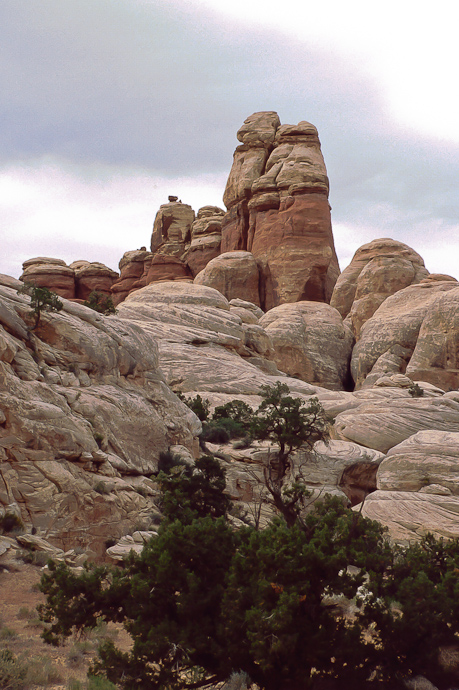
[(172, 228), (310, 343), (53, 274), (234, 274), (132, 270), (92, 277), (277, 200), (377, 270), (206, 236)]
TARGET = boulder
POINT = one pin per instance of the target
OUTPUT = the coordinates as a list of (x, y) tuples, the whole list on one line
[(234, 274), (388, 338), (377, 270), (436, 358), (310, 342), (206, 235), (428, 462), (53, 274), (411, 515), (277, 200), (92, 277), (382, 424)]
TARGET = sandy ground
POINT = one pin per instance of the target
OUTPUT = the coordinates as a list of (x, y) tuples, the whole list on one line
[(20, 630)]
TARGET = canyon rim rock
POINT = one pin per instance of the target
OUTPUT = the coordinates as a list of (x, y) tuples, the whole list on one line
[(277, 201), (377, 270)]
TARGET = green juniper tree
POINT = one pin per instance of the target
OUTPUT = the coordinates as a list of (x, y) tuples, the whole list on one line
[(41, 299)]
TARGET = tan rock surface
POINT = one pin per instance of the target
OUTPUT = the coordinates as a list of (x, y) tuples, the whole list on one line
[(436, 354), (426, 459), (377, 270), (53, 274), (388, 338), (234, 274), (164, 267), (310, 342), (87, 409), (410, 516), (92, 276), (383, 424)]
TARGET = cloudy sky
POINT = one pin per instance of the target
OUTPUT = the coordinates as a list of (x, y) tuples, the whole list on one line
[(109, 106)]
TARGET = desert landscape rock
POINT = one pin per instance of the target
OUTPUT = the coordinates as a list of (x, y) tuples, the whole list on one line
[(311, 343), (222, 304), (377, 270), (277, 200)]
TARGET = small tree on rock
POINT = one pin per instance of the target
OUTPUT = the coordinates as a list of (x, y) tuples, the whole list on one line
[(290, 423), (41, 299)]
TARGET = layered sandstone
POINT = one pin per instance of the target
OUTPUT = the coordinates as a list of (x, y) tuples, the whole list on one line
[(172, 228), (53, 274), (277, 200), (234, 274), (131, 267), (92, 277), (206, 236)]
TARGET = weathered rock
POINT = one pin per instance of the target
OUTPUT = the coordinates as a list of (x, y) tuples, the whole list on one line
[(384, 424), (411, 515), (310, 342), (426, 460), (436, 356), (131, 271), (206, 236), (89, 407), (377, 270), (172, 228), (234, 274), (92, 277), (277, 200), (53, 274), (165, 267), (388, 338)]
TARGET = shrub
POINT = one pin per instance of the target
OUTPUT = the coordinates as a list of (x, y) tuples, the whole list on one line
[(415, 390), (9, 522), (41, 299), (198, 405), (102, 488), (215, 432), (100, 303)]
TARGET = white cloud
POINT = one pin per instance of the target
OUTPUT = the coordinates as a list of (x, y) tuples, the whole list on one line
[(87, 212)]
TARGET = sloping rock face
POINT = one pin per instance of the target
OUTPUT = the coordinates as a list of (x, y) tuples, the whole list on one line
[(277, 200), (377, 270), (234, 274), (84, 414), (53, 274), (388, 339), (311, 343), (206, 237)]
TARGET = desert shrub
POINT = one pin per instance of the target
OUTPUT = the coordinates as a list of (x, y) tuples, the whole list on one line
[(243, 443), (198, 405), (21, 672), (100, 303), (236, 409), (9, 522), (215, 432), (41, 299), (102, 488), (415, 390)]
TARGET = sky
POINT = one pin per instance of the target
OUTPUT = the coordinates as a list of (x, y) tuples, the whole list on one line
[(109, 106)]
